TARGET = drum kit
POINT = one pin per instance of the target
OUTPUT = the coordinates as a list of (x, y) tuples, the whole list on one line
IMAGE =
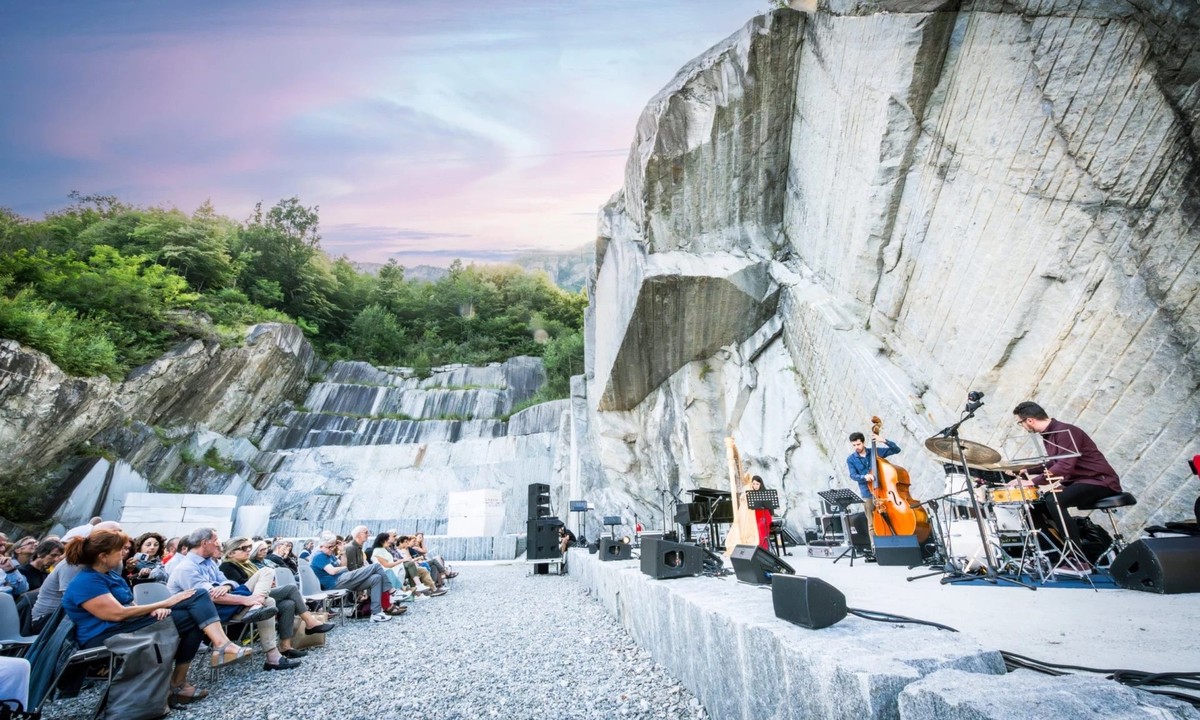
[(989, 522)]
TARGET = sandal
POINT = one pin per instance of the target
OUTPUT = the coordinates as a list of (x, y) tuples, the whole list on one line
[(182, 695), (220, 656)]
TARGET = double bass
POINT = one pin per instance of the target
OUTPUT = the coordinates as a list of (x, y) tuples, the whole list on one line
[(894, 512)]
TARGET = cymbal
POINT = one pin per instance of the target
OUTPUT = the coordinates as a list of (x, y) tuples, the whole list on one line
[(975, 453)]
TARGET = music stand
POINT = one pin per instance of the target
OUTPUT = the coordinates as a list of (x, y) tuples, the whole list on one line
[(612, 521), (762, 499), (842, 499)]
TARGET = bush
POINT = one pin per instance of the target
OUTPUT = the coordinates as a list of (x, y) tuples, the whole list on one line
[(79, 346)]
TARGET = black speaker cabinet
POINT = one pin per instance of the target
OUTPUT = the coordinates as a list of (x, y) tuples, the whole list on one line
[(807, 601), (898, 550), (541, 539), (615, 550), (756, 566), (663, 560), (539, 500), (1159, 565)]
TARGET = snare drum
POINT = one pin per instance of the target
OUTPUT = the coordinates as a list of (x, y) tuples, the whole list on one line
[(1012, 496)]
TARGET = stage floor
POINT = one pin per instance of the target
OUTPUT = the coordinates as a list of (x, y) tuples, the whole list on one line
[(1110, 628)]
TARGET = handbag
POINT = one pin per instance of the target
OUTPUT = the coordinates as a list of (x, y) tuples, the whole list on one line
[(140, 686), (302, 640)]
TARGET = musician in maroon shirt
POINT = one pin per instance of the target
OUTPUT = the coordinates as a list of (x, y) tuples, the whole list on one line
[(1085, 478)]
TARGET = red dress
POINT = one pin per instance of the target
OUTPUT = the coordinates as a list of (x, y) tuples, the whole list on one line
[(763, 518)]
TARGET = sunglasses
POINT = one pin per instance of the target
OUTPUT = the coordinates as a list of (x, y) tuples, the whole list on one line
[(246, 548)]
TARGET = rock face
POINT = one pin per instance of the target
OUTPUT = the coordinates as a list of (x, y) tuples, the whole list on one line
[(987, 196), (45, 414)]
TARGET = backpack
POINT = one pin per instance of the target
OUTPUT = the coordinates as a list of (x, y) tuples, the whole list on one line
[(141, 684), (1096, 539)]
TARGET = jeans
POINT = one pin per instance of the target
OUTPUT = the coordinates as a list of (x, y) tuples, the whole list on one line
[(368, 577), (190, 617), (290, 603)]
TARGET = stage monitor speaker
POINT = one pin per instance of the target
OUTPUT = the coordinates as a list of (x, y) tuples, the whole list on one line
[(1160, 565), (663, 560), (807, 601), (754, 565), (898, 550), (541, 539), (615, 550)]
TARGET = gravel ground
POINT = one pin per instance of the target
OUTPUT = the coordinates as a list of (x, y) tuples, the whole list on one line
[(500, 644)]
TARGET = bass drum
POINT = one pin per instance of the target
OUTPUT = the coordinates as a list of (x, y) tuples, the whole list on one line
[(965, 546)]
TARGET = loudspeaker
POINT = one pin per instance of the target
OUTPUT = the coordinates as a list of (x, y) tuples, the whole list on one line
[(539, 500), (898, 550), (859, 536), (1160, 565), (663, 560), (615, 550), (754, 565), (806, 601), (541, 541)]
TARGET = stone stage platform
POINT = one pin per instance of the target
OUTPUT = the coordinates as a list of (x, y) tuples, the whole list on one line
[(722, 640)]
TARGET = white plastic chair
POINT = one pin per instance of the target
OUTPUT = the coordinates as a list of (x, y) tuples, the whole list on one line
[(150, 592)]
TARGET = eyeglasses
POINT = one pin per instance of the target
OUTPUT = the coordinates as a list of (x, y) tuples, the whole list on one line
[(246, 548)]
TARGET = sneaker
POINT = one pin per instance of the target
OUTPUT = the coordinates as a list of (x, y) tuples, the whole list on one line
[(380, 617), (438, 592)]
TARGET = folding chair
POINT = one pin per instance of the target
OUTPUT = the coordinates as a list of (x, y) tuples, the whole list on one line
[(310, 589), (52, 653), (11, 639), (151, 592)]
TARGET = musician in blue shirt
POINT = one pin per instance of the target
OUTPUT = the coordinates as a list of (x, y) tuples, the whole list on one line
[(860, 463)]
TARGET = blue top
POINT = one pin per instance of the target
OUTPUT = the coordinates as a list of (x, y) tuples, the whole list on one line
[(87, 585), (321, 560), (860, 465)]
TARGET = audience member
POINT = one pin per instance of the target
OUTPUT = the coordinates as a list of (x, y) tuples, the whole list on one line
[(147, 560), (23, 550), (281, 556), (414, 569), (47, 553)]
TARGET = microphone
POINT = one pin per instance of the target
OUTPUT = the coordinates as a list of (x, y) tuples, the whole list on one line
[(974, 400)]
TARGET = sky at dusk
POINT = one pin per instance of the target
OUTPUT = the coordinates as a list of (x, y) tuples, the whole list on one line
[(424, 129)]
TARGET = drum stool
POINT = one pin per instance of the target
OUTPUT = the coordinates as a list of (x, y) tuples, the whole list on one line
[(1108, 506)]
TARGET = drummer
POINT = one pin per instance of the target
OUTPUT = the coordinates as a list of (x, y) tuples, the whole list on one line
[(1085, 479)]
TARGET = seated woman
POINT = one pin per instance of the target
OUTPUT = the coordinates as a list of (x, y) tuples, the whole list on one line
[(22, 551), (288, 601), (147, 561), (38, 569), (281, 556), (437, 566), (382, 555), (101, 605), (258, 554)]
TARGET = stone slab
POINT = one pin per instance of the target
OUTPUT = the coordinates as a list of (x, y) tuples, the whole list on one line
[(151, 514), (957, 695), (154, 500), (206, 514), (704, 629), (225, 501)]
